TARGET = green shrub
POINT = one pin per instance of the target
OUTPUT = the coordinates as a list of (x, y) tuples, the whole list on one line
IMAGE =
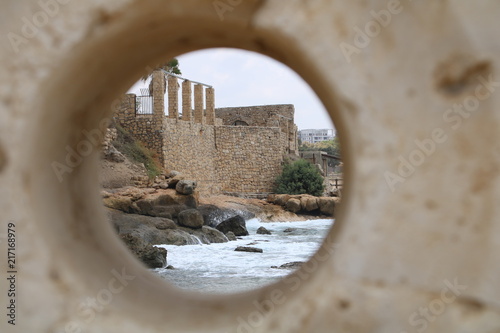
[(137, 152), (300, 177)]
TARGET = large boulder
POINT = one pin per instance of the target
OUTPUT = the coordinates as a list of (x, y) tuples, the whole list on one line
[(151, 230), (213, 215), (152, 257), (236, 224), (213, 235), (263, 231), (122, 203), (231, 236), (172, 182), (190, 218), (279, 199), (327, 205), (309, 203), (172, 197), (186, 187), (293, 205)]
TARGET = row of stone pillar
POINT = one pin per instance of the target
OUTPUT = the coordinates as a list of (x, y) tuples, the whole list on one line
[(199, 114)]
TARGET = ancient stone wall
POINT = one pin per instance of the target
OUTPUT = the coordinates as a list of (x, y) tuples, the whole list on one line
[(249, 158), (146, 128), (221, 157), (261, 115), (279, 115), (189, 148)]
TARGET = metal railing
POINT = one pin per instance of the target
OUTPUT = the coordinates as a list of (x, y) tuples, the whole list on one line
[(144, 103)]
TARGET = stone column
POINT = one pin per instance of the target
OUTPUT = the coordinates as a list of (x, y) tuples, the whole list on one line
[(157, 89), (210, 102), (173, 99), (198, 103), (186, 100)]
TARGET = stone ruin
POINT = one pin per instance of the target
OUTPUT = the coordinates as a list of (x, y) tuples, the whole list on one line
[(236, 151)]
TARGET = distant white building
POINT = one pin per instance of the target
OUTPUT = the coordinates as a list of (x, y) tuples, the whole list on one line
[(316, 135)]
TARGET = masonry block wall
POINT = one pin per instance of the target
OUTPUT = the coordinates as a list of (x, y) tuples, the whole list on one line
[(145, 128), (227, 150), (280, 115), (190, 148), (249, 158)]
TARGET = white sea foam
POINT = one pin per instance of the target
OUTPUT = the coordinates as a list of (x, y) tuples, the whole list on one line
[(217, 268)]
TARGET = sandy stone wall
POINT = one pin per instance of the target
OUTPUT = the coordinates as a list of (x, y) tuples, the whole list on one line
[(146, 128), (219, 156), (189, 147), (249, 158), (261, 115)]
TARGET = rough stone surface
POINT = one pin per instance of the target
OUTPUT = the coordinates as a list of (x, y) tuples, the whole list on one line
[(401, 237), (263, 231), (191, 218), (185, 187), (236, 224), (305, 204), (231, 236), (215, 152), (327, 206), (293, 205), (249, 249), (151, 256)]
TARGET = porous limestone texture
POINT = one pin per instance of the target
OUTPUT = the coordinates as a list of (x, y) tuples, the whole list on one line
[(413, 89)]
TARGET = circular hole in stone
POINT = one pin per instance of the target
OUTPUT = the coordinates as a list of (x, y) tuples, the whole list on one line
[(191, 165)]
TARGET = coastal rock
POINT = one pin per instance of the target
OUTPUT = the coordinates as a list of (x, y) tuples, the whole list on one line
[(191, 218), (146, 228), (172, 182), (293, 205), (214, 235), (281, 199), (287, 230), (152, 257), (290, 265), (249, 249), (165, 224), (125, 204), (213, 215), (263, 231), (327, 205), (309, 203), (236, 224), (231, 236), (172, 197), (186, 187)]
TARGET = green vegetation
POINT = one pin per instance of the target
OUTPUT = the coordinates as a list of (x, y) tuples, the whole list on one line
[(331, 147), (136, 152), (171, 66), (300, 177)]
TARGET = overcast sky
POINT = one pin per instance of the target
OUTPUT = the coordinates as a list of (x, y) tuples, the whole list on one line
[(243, 78)]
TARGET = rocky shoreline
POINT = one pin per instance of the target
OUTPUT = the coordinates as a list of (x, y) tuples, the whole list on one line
[(144, 217)]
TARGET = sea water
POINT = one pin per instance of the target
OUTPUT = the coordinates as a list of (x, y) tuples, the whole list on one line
[(218, 268)]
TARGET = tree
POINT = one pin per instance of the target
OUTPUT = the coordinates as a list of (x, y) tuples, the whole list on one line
[(331, 147), (171, 66), (300, 177)]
